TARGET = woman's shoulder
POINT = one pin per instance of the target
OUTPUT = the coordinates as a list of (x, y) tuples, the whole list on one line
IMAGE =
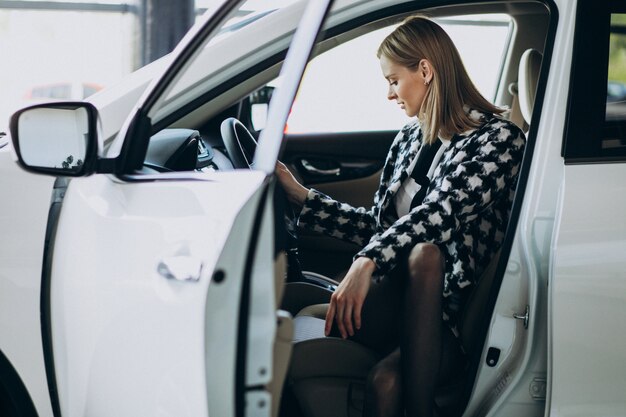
[(496, 127)]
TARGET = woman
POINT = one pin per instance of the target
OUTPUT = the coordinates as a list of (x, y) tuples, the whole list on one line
[(424, 244)]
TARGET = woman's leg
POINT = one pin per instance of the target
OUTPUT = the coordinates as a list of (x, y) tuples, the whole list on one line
[(421, 340), (383, 391), (380, 316), (408, 303)]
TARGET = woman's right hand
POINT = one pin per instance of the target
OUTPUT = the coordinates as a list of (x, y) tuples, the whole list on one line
[(347, 300), (296, 192)]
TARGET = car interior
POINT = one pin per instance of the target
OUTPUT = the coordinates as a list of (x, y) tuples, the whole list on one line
[(314, 375)]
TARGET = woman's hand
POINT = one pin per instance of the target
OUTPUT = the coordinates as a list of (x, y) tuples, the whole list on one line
[(296, 192), (347, 301)]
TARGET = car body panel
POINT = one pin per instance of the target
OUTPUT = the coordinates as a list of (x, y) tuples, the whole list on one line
[(588, 290), (114, 314), (23, 221)]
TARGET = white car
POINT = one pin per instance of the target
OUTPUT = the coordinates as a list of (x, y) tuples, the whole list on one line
[(144, 273)]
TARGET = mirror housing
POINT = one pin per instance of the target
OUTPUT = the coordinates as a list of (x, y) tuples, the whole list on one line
[(57, 139)]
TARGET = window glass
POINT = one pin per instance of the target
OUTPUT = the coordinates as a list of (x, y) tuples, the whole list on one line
[(615, 118), (343, 89), (616, 89), (248, 35)]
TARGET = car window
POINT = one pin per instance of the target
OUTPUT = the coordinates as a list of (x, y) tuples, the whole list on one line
[(596, 129), (343, 89), (616, 85), (237, 44), (219, 71)]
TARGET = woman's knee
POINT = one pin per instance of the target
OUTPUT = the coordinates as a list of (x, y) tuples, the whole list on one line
[(426, 258), (384, 379)]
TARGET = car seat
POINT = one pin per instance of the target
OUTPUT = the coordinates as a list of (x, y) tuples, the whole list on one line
[(525, 89), (327, 375), (528, 75)]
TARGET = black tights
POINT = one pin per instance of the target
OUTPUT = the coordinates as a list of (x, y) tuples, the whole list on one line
[(405, 309)]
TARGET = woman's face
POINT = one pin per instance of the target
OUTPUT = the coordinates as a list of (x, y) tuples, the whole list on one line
[(406, 87)]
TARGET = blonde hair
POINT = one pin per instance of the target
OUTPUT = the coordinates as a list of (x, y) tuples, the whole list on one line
[(442, 113)]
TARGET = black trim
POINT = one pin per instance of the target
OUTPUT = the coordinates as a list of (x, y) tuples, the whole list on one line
[(474, 362), (586, 107), (106, 165), (618, 29), (14, 398), (244, 306), (135, 144), (54, 212)]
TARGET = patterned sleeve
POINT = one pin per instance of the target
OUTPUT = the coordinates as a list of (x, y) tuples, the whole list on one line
[(323, 214), (477, 176)]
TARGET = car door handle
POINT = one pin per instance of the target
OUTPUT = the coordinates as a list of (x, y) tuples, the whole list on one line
[(311, 169), (181, 268)]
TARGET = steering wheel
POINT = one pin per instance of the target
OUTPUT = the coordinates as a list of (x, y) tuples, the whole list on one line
[(241, 145), (239, 142)]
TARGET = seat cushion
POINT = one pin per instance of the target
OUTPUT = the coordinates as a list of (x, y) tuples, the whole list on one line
[(315, 355), (315, 310)]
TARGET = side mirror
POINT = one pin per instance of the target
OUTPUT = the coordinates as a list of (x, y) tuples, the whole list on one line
[(56, 138)]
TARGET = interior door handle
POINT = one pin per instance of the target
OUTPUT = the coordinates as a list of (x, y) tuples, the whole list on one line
[(311, 169), (181, 268)]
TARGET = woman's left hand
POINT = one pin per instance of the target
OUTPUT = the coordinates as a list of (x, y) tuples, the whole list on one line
[(296, 192), (347, 301)]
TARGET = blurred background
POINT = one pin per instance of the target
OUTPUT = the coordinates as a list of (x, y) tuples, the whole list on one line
[(71, 49)]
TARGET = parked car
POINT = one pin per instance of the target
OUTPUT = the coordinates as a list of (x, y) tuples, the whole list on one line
[(149, 279), (62, 91)]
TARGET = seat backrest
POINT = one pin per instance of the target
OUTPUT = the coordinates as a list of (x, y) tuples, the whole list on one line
[(527, 77)]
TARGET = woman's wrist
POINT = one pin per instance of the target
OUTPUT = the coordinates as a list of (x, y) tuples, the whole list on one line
[(302, 194), (367, 264), (298, 195)]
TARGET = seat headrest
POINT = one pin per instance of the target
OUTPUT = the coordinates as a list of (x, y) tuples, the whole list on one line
[(527, 78)]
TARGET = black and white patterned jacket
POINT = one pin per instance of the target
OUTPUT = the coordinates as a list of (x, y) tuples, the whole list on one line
[(465, 210)]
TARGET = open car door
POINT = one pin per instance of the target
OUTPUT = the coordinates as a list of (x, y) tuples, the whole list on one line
[(159, 294)]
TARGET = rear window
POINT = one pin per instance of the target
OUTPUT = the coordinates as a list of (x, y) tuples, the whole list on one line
[(596, 128), (614, 136)]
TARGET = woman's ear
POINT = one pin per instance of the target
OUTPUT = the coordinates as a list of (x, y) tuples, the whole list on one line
[(426, 70)]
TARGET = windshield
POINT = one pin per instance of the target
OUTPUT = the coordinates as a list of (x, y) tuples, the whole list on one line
[(239, 41)]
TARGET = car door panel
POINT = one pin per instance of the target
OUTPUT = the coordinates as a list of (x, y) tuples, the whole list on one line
[(587, 293), (112, 302), (334, 158), (353, 162)]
